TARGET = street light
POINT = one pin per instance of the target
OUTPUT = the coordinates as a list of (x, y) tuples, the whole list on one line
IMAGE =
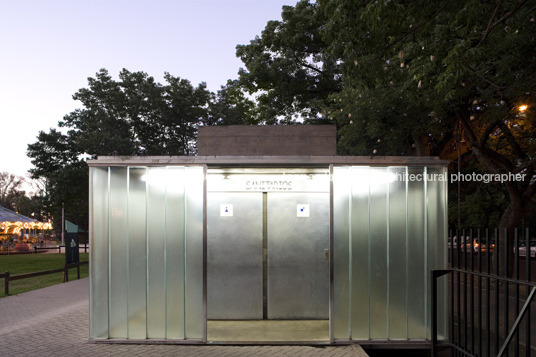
[(522, 107)]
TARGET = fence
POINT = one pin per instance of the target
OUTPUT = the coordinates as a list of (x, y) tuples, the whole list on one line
[(27, 248), (8, 277), (490, 309), (58, 247)]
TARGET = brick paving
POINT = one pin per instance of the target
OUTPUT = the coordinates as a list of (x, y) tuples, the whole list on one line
[(54, 322)]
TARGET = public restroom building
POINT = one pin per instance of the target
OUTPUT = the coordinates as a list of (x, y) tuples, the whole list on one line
[(267, 236)]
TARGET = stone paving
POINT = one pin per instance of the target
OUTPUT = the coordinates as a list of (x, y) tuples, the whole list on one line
[(54, 322)]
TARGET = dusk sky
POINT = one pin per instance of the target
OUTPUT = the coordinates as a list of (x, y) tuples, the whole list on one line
[(48, 49)]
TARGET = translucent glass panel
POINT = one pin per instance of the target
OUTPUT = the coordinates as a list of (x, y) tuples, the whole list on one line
[(379, 274), (389, 233), (193, 252), (99, 252), (397, 254), (173, 263), (359, 215), (137, 253), (146, 252), (436, 192), (156, 256), (117, 239), (416, 268)]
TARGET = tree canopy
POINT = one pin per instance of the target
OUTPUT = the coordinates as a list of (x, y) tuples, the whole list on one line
[(412, 69), (411, 78), (417, 74), (288, 67), (396, 77), (14, 197), (134, 115)]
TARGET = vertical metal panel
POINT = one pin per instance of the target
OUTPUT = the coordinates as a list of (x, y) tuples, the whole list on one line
[(118, 278), (397, 254), (359, 251), (264, 255), (406, 231), (194, 263), (98, 252), (204, 253), (341, 316), (174, 254), (426, 268), (234, 256), (331, 266), (298, 273), (137, 254), (416, 255), (156, 267), (156, 253), (436, 225), (378, 253)]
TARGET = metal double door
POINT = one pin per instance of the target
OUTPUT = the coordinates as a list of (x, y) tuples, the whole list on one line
[(267, 255)]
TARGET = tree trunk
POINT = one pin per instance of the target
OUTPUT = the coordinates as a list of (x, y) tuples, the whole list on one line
[(509, 221), (422, 147)]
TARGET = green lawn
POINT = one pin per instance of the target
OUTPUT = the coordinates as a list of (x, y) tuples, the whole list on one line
[(30, 263)]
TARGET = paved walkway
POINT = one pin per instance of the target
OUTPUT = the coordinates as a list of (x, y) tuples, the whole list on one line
[(53, 321)]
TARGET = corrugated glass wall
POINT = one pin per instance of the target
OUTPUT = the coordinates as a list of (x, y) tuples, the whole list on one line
[(389, 233), (146, 256)]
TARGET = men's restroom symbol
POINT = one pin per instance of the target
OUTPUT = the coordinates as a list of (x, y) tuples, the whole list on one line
[(302, 210)]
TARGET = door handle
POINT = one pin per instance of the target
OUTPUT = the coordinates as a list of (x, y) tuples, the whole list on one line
[(326, 254)]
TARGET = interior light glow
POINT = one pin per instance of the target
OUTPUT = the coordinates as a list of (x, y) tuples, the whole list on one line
[(367, 180), (162, 177)]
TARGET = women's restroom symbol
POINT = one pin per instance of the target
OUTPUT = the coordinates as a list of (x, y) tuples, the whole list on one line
[(226, 210)]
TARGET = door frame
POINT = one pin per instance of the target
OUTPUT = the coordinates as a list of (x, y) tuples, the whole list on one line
[(331, 264)]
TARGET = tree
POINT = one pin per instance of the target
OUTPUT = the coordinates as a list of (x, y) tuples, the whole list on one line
[(230, 106), (10, 186), (57, 162), (288, 67), (15, 198), (481, 204), (409, 78), (414, 70), (134, 115)]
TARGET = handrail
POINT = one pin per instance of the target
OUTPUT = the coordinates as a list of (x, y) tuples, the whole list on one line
[(491, 276), (517, 322), (440, 272)]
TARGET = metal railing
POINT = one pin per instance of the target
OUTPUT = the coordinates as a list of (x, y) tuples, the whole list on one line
[(489, 312), (60, 248), (11, 248)]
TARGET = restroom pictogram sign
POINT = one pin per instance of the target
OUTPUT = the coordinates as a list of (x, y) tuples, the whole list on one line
[(226, 210), (302, 210)]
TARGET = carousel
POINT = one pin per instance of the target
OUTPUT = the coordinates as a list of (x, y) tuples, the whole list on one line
[(19, 233)]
